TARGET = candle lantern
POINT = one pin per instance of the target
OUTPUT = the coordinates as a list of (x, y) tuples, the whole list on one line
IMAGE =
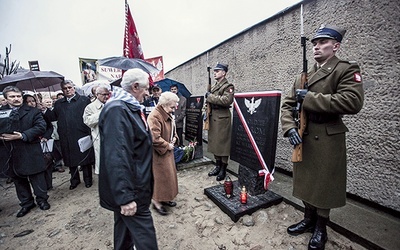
[(243, 195), (228, 186)]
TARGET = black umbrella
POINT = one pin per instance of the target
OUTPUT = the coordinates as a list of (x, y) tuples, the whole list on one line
[(31, 80), (125, 63)]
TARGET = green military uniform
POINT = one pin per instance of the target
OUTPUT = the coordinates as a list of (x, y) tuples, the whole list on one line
[(219, 133), (333, 90)]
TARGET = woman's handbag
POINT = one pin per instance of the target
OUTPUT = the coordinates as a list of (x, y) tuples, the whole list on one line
[(178, 154)]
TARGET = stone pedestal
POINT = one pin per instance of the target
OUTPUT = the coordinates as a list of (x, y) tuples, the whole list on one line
[(198, 153), (232, 206), (249, 178)]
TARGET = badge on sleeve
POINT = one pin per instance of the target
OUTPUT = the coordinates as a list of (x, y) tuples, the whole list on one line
[(357, 77)]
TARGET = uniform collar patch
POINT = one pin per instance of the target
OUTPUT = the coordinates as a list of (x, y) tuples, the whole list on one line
[(357, 77)]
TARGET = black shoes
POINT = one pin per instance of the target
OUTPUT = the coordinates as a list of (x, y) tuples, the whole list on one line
[(73, 186), (88, 185), (216, 170), (306, 225), (44, 205), (25, 210), (320, 236), (161, 210), (169, 203), (222, 174)]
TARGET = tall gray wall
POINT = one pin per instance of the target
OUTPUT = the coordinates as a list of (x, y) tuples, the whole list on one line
[(267, 56)]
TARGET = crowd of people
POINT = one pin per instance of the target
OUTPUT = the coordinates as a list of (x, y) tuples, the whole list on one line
[(47, 134), (134, 135)]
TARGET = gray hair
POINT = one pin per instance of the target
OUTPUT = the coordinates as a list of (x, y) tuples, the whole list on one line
[(10, 89), (65, 82), (102, 86), (133, 76), (168, 97)]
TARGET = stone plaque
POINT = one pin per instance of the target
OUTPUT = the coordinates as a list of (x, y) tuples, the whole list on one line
[(255, 128), (194, 119)]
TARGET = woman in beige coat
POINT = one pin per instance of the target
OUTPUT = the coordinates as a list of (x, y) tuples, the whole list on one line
[(163, 131)]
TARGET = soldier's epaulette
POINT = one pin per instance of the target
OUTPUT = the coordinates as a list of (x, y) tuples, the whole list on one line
[(350, 62)]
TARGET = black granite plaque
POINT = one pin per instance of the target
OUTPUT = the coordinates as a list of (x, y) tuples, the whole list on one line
[(260, 113), (232, 206), (194, 119)]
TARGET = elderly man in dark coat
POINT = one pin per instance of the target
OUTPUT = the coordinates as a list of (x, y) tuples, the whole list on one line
[(68, 112), (21, 151), (125, 178), (334, 89), (219, 134)]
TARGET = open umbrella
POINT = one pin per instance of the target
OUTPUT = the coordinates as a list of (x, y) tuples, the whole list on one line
[(125, 63), (165, 85), (31, 80), (87, 87)]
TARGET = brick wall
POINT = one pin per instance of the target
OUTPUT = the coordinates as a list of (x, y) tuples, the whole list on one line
[(267, 56)]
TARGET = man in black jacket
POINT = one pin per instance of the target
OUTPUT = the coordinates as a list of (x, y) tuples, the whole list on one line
[(21, 153), (68, 112), (125, 178)]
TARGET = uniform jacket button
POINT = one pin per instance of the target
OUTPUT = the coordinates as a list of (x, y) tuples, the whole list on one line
[(316, 137)]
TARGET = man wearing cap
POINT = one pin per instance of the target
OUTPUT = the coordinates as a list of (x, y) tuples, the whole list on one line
[(219, 134), (151, 102), (334, 89)]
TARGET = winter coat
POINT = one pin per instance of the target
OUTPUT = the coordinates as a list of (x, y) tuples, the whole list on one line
[(334, 90), (70, 128), (164, 169), (125, 157), (220, 127), (25, 157), (91, 119)]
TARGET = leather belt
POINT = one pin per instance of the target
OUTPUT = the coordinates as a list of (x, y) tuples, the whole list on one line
[(321, 118), (214, 106)]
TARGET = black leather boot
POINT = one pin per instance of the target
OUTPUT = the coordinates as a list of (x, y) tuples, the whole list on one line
[(319, 237), (306, 225), (217, 168), (222, 173)]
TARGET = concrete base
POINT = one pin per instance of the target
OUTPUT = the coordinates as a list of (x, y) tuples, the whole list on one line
[(232, 206), (194, 163)]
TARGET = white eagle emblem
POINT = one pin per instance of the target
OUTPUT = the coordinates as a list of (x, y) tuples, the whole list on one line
[(252, 105)]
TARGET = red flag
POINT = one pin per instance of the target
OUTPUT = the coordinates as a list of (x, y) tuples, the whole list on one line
[(132, 47)]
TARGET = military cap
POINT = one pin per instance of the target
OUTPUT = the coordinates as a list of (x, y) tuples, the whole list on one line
[(221, 66), (329, 31)]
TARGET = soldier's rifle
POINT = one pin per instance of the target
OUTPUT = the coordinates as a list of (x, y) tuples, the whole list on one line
[(299, 114), (206, 124)]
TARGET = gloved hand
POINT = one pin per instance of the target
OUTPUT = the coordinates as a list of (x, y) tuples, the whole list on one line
[(300, 94), (294, 137), (207, 94)]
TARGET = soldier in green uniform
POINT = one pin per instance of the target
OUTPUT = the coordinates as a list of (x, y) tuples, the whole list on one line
[(219, 134), (334, 89)]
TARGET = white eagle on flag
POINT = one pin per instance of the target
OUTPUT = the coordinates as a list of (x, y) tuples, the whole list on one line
[(252, 105)]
